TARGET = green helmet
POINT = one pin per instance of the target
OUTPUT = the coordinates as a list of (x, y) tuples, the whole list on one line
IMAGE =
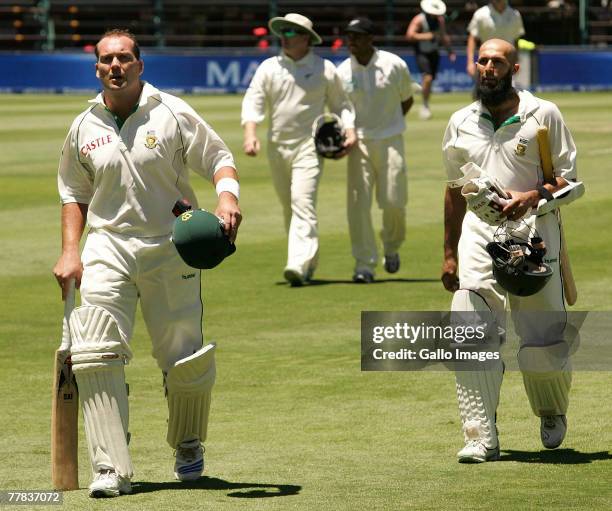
[(200, 240)]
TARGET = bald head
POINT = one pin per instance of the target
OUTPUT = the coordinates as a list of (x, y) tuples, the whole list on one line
[(501, 47)]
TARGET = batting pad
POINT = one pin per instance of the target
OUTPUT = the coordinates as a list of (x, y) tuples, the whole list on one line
[(189, 384), (98, 358), (547, 377), (478, 397), (478, 391)]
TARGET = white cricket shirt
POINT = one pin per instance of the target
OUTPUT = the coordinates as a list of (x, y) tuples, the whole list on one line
[(488, 23), (131, 177), (377, 91), (509, 153), (296, 93)]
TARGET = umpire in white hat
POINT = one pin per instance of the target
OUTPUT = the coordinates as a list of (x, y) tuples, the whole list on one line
[(297, 85)]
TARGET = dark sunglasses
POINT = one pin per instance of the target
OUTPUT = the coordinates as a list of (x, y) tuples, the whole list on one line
[(292, 32)]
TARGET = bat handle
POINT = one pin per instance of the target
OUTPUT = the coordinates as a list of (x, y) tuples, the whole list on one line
[(68, 308)]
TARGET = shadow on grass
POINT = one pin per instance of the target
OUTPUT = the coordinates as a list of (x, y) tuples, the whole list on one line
[(255, 490), (327, 282), (555, 457)]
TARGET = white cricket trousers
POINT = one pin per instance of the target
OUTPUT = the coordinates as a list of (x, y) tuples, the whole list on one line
[(118, 270), (476, 274), (296, 171), (376, 164)]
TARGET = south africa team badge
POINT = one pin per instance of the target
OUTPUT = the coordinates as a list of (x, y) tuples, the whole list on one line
[(521, 147), (151, 140)]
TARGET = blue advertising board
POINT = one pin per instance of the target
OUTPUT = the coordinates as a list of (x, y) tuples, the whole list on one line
[(573, 69)]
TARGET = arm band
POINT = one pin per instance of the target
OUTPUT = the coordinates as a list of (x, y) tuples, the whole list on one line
[(545, 193), (228, 184)]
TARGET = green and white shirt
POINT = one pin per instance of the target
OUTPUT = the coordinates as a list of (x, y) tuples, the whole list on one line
[(132, 173), (509, 152)]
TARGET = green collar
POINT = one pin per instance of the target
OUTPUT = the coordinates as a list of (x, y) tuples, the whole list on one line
[(510, 120), (120, 122)]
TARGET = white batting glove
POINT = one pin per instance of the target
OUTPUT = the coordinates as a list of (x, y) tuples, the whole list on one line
[(486, 198)]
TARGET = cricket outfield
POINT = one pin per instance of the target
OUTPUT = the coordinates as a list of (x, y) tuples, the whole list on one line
[(294, 423)]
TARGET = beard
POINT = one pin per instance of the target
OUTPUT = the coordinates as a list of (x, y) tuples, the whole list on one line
[(496, 95)]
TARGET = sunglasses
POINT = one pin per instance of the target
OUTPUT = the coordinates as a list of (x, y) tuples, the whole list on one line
[(292, 32)]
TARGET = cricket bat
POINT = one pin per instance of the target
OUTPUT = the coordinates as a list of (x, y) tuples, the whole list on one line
[(569, 285), (65, 410)]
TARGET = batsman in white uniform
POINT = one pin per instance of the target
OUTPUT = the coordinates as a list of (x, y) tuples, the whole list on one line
[(295, 87), (124, 165), (380, 87), (497, 134)]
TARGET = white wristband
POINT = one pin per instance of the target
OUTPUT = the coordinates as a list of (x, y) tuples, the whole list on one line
[(228, 184)]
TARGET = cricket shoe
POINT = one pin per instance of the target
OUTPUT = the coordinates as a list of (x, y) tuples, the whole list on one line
[(294, 277), (107, 483), (552, 430), (475, 451), (189, 463), (363, 277), (425, 113), (392, 263)]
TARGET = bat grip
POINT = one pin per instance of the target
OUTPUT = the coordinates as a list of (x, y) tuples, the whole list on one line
[(68, 308)]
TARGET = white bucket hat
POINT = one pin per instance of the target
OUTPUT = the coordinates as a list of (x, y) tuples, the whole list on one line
[(293, 20), (433, 7)]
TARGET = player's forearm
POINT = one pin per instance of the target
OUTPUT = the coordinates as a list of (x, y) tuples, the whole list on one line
[(454, 211), (74, 216), (250, 129), (407, 105), (471, 48)]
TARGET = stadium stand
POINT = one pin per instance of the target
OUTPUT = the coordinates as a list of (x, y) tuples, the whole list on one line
[(62, 24)]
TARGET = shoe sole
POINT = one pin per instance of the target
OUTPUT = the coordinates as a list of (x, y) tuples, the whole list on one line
[(108, 494), (493, 456), (294, 278)]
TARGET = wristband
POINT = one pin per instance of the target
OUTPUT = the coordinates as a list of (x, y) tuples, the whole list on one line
[(228, 184), (545, 193)]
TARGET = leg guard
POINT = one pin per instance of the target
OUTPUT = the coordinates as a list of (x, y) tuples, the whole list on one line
[(98, 356), (478, 391), (547, 377), (189, 385)]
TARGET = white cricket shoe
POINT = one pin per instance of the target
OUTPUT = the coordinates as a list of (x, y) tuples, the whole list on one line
[(107, 483), (552, 430), (425, 113), (189, 463), (475, 451)]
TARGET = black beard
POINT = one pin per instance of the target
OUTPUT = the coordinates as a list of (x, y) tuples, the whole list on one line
[(494, 96)]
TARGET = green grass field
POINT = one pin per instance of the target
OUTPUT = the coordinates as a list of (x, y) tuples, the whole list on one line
[(295, 424)]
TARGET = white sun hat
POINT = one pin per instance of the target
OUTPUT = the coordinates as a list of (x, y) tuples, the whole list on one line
[(433, 7), (293, 20)]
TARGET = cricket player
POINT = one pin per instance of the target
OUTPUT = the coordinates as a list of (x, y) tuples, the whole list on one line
[(295, 86), (124, 165), (427, 30), (494, 20), (380, 86), (497, 133)]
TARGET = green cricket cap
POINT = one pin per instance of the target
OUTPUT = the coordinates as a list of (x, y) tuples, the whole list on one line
[(200, 240)]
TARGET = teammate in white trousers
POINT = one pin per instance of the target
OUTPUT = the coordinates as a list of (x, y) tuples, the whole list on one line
[(124, 165), (296, 86), (380, 87), (498, 133)]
